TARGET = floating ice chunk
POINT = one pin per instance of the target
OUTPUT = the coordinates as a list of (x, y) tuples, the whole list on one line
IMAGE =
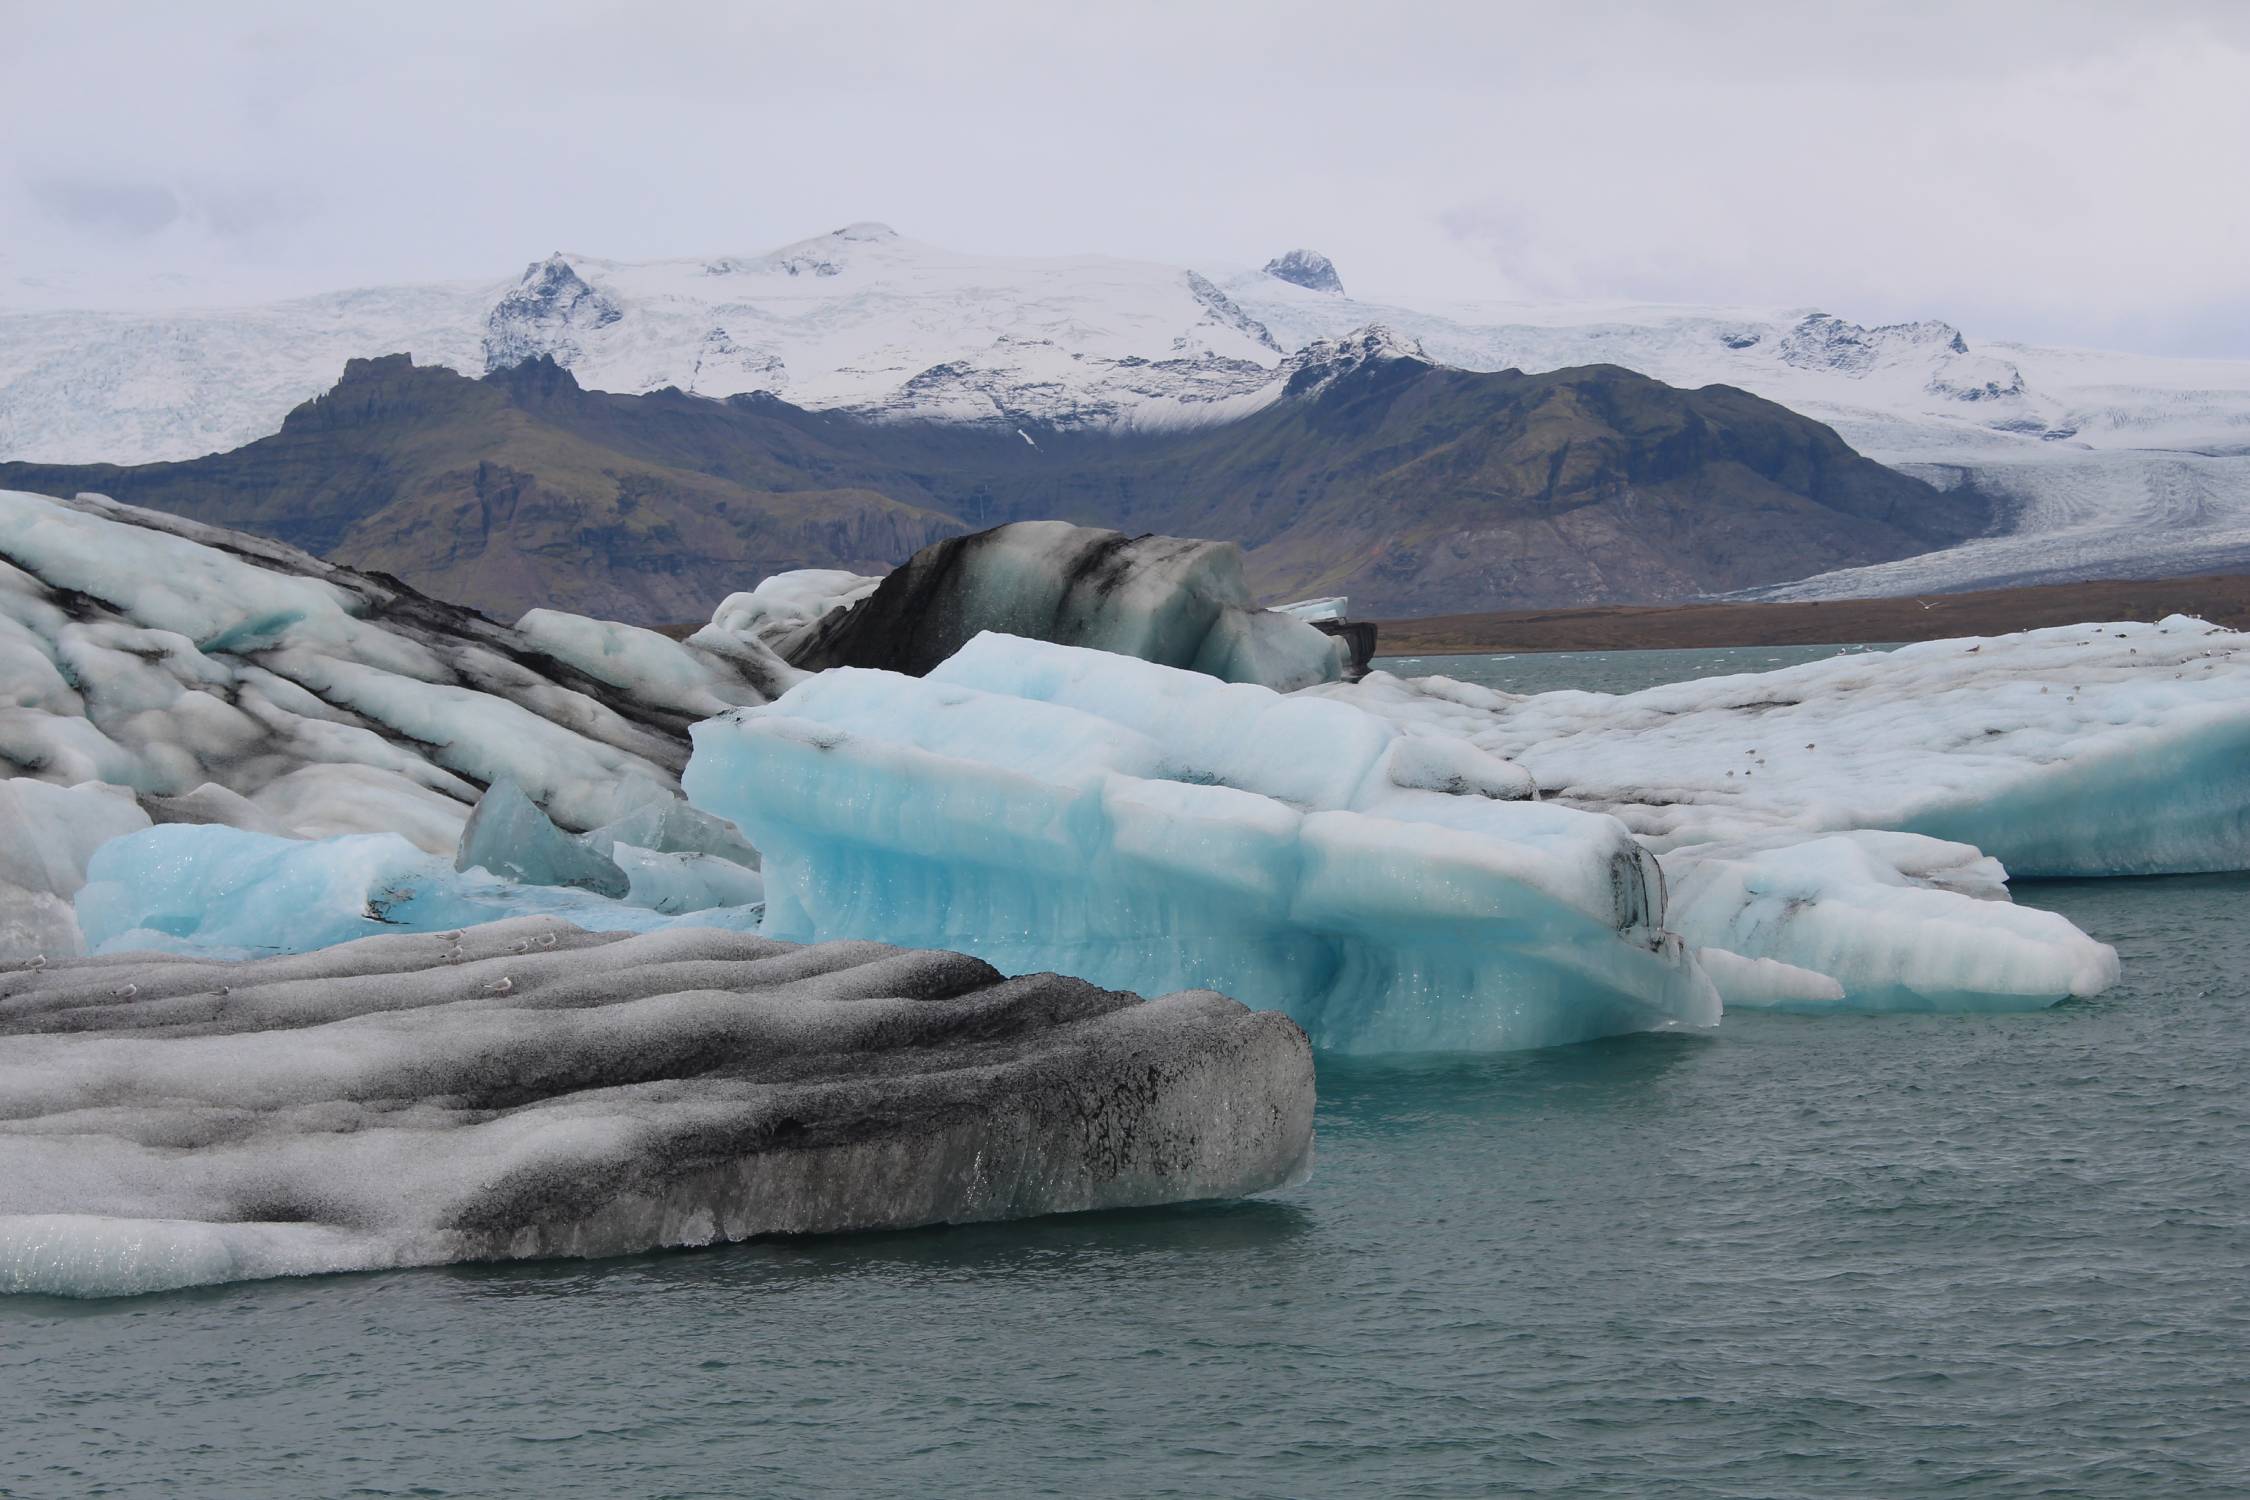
[(1313, 610), (551, 1092), (222, 891), (673, 883), (673, 827), (1168, 600), (775, 615), (1152, 828), (1900, 922), (510, 837), (2117, 749)]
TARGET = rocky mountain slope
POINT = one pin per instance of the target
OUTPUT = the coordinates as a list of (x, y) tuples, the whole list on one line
[(1370, 471), (2099, 464)]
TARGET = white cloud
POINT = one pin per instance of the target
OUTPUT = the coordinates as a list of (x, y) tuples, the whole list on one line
[(2045, 170)]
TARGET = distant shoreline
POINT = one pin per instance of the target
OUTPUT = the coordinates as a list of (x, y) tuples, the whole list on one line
[(2223, 599)]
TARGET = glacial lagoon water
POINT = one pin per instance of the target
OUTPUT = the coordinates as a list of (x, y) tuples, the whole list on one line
[(1907, 1255)]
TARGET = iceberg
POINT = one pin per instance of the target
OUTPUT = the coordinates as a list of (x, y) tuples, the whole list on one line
[(2112, 749), (229, 893), (777, 614), (1170, 600), (164, 656), (1146, 827), (690, 678), (1872, 921), (510, 837), (170, 1122)]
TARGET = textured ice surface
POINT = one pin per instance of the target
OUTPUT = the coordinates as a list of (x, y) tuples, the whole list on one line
[(157, 654), (510, 837), (224, 891), (169, 1122), (778, 612), (47, 834), (711, 672), (2117, 749), (1051, 807), (1171, 600), (1893, 921)]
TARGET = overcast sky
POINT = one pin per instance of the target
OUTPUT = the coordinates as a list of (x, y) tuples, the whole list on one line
[(2060, 172)]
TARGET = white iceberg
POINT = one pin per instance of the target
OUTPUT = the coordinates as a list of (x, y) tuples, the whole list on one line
[(1875, 921), (776, 614), (1050, 807), (2114, 749)]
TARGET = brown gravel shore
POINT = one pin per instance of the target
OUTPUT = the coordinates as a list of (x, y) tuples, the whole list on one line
[(2223, 599)]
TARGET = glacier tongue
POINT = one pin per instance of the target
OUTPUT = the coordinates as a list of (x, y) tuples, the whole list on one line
[(1052, 807), (170, 1122)]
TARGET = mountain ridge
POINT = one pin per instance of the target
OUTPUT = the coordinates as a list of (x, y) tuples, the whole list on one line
[(1374, 472)]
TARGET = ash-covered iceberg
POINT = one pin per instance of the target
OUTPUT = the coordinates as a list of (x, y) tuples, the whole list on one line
[(1049, 807), (2116, 749), (169, 1122), (1169, 600), (164, 656)]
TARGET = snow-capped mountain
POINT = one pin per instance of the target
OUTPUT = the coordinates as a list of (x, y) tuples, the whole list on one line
[(2110, 463)]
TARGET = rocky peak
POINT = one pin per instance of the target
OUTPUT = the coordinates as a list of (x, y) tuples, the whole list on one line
[(547, 312), (1323, 362), (1306, 268), (1824, 342)]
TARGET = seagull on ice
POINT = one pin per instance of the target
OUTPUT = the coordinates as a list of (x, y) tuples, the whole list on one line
[(501, 986), (126, 992)]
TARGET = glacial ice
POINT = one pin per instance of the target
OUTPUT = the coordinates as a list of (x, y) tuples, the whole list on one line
[(161, 655), (2111, 749), (47, 835), (1892, 922), (1175, 601), (781, 609), (169, 1122), (1052, 807), (227, 892), (707, 674), (510, 837)]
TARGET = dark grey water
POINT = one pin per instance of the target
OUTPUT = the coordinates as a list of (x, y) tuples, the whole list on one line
[(1892, 1256)]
